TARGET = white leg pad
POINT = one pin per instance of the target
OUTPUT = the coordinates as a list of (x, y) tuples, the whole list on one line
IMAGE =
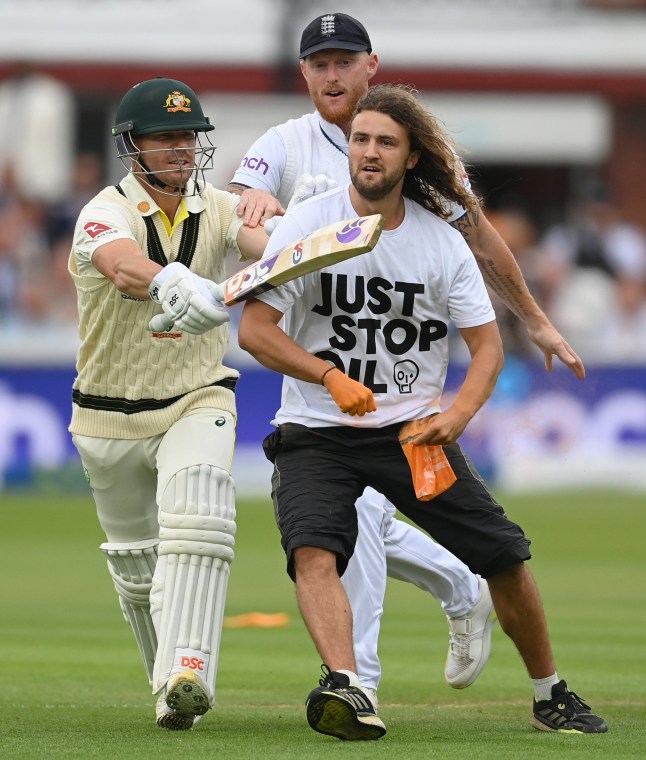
[(132, 566), (197, 530)]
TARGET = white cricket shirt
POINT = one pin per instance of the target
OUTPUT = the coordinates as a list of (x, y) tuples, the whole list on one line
[(308, 145)]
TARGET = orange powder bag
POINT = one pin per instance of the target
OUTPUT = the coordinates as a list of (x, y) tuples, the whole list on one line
[(431, 471)]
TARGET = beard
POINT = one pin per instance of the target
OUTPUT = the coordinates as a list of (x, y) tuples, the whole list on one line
[(375, 190), (175, 178), (340, 115), (165, 181)]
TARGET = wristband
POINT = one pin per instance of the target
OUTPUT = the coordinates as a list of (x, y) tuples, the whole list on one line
[(329, 369)]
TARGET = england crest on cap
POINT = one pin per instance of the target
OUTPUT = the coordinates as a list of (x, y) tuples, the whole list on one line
[(327, 25)]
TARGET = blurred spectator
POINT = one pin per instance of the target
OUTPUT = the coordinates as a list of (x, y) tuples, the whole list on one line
[(622, 331), (37, 134), (87, 181), (596, 237), (61, 307), (37, 139), (594, 272), (35, 241), (8, 283), (24, 261)]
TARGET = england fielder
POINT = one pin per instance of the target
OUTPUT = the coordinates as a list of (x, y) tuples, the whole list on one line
[(337, 63), (364, 349), (153, 406)]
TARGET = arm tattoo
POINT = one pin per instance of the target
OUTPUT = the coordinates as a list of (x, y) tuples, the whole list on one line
[(465, 223), (236, 187), (506, 286), (509, 286)]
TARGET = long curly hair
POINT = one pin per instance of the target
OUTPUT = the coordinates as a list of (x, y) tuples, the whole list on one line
[(438, 175)]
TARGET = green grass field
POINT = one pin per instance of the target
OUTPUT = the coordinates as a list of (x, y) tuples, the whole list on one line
[(73, 686)]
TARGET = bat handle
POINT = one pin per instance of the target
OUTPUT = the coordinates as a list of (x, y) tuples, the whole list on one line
[(161, 323), (217, 289)]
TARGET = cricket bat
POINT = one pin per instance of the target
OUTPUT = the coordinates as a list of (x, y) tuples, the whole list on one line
[(319, 249)]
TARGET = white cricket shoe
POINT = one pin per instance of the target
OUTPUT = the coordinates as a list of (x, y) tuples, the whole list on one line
[(183, 702), (372, 696), (470, 641)]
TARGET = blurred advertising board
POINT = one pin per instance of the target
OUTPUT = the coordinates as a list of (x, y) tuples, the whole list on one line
[(539, 431)]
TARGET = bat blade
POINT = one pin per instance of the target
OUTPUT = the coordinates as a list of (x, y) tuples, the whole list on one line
[(321, 248)]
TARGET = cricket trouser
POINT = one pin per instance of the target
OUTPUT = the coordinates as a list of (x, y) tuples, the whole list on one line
[(388, 546), (166, 505)]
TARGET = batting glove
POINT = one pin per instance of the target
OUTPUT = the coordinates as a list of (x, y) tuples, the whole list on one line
[(190, 303), (306, 187)]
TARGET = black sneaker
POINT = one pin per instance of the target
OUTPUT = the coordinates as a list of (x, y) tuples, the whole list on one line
[(566, 713), (337, 709)]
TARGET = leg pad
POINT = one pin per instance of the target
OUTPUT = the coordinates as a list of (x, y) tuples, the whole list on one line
[(197, 536), (132, 566)]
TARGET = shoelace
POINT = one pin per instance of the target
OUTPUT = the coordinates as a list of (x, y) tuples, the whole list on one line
[(459, 643), (326, 679), (329, 681), (573, 701)]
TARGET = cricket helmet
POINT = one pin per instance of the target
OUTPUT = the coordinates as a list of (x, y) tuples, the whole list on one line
[(161, 105)]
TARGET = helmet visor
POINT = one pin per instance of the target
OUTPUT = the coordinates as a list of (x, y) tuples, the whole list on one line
[(167, 161)]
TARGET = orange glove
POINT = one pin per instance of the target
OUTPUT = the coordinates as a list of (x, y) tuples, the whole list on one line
[(350, 396)]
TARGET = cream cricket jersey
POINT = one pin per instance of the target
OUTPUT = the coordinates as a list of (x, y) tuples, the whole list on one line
[(308, 145), (383, 317), (132, 383)]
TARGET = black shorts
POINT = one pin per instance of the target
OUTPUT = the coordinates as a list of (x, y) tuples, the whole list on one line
[(319, 473)]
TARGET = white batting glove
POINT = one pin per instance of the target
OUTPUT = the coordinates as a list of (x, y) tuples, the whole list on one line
[(271, 224), (190, 303), (306, 187)]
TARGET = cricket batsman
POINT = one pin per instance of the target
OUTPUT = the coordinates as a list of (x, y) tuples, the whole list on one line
[(153, 412)]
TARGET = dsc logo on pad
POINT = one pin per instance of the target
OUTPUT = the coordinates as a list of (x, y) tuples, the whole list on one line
[(194, 663)]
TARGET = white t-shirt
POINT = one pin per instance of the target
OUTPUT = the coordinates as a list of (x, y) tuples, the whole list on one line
[(382, 317), (308, 145)]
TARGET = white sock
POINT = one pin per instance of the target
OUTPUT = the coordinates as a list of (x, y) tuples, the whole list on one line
[(543, 687)]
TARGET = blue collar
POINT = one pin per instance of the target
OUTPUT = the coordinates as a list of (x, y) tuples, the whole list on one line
[(331, 141)]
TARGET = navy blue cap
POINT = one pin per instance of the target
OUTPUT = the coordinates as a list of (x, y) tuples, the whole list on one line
[(336, 31)]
